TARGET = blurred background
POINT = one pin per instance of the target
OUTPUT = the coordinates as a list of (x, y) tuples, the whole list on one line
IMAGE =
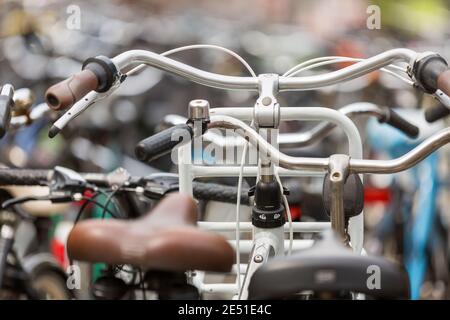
[(42, 42)]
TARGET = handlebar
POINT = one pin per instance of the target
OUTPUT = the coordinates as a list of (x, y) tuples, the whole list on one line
[(111, 72), (433, 75), (322, 164), (217, 192), (163, 142), (206, 191), (24, 177), (358, 166), (43, 177), (395, 120), (383, 114), (125, 59), (436, 113)]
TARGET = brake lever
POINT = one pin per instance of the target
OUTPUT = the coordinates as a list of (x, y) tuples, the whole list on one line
[(157, 186), (442, 98), (80, 106), (65, 179)]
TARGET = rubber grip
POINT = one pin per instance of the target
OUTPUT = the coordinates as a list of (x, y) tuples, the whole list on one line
[(64, 94), (436, 113), (217, 192), (24, 177), (163, 142), (443, 82), (397, 121), (6, 104)]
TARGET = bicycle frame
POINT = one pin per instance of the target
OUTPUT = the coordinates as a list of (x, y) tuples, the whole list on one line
[(319, 164), (266, 115), (266, 240)]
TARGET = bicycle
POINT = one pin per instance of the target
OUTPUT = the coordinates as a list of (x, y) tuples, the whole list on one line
[(172, 220), (101, 76), (413, 221), (25, 270)]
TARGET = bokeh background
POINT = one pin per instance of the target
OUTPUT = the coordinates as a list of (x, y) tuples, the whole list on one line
[(37, 49)]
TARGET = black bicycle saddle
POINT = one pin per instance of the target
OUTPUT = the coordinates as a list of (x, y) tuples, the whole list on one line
[(329, 266)]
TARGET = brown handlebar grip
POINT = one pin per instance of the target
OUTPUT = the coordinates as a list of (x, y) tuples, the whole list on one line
[(443, 82), (65, 93)]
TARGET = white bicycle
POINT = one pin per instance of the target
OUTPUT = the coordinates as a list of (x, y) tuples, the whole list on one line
[(342, 190)]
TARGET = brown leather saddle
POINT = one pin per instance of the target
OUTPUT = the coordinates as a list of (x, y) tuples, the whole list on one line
[(165, 239)]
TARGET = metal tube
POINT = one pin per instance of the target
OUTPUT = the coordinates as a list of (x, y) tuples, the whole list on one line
[(351, 72), (406, 161), (321, 164), (123, 60), (278, 158), (334, 118), (338, 174), (306, 138), (190, 73), (184, 169)]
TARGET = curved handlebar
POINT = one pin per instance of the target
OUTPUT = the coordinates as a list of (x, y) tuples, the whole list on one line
[(67, 92), (123, 60), (202, 190), (300, 139), (405, 162), (424, 149)]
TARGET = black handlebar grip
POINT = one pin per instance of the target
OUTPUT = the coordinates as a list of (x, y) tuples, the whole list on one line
[(217, 192), (6, 104), (24, 177), (432, 73), (436, 113), (163, 142), (397, 121)]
